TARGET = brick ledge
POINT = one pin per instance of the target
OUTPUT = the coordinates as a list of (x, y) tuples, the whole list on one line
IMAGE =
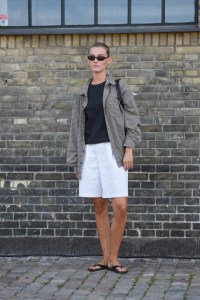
[(85, 246)]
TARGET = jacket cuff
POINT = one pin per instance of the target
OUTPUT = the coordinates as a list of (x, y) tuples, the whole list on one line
[(129, 144)]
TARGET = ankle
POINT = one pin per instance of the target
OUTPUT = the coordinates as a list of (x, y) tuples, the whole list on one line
[(105, 259), (113, 261)]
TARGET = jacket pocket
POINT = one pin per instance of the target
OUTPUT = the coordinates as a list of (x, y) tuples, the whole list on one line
[(114, 107)]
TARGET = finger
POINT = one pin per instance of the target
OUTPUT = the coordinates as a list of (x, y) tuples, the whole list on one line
[(127, 167)]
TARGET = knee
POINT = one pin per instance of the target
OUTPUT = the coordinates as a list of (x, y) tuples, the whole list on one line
[(121, 210), (101, 207)]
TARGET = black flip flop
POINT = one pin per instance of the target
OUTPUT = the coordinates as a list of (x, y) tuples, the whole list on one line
[(101, 267), (114, 269)]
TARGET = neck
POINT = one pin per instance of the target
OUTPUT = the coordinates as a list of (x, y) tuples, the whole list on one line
[(98, 78)]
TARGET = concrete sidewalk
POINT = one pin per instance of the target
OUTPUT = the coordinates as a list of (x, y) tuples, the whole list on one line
[(24, 278)]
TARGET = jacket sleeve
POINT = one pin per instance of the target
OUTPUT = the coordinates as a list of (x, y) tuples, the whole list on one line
[(131, 116), (72, 151)]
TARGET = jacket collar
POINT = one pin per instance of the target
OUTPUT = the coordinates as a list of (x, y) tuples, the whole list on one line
[(83, 90)]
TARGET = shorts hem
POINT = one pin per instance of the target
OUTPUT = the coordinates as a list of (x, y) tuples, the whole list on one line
[(104, 196), (89, 196), (115, 196)]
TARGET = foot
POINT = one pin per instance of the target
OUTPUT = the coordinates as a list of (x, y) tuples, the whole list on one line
[(115, 266), (118, 269), (98, 267)]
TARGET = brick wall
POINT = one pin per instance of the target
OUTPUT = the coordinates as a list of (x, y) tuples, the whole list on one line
[(40, 212)]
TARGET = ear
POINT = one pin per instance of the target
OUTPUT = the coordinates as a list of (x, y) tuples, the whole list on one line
[(109, 59)]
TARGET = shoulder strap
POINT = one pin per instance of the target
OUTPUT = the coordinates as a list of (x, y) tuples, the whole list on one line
[(119, 92)]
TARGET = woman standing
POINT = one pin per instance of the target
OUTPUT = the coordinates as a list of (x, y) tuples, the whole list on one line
[(101, 142)]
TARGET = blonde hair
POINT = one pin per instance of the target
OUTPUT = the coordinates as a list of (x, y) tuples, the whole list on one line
[(101, 45)]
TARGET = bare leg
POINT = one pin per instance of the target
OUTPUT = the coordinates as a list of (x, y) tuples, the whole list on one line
[(103, 227), (117, 229)]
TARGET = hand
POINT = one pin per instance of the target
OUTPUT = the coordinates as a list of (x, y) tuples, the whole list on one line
[(128, 159)]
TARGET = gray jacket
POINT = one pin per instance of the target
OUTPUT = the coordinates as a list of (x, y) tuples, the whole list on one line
[(123, 125)]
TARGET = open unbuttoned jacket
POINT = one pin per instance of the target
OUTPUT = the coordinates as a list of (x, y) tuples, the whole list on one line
[(123, 124)]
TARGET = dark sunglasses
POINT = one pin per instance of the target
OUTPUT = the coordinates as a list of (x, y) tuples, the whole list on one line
[(99, 58)]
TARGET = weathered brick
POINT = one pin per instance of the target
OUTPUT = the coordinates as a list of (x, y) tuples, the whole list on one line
[(6, 232), (177, 233), (38, 78), (33, 232)]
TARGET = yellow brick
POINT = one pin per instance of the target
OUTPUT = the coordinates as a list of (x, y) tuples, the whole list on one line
[(136, 80), (16, 52), (186, 38), (100, 38), (118, 73), (135, 89), (194, 38), (59, 40), (35, 41), (124, 39), (19, 41), (75, 59), (117, 65), (171, 39), (190, 81), (132, 39), (27, 41), (76, 40), (47, 51), (11, 41), (179, 39), (92, 39), (176, 57), (108, 39), (147, 38), (19, 74), (43, 41), (162, 57), (19, 121), (156, 50), (4, 41), (83, 40), (155, 39), (140, 39), (51, 40), (2, 53), (19, 82), (163, 39), (176, 73), (188, 50), (49, 81), (116, 40), (68, 40), (118, 58), (191, 73)]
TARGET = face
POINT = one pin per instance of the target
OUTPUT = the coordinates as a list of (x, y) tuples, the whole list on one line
[(97, 66)]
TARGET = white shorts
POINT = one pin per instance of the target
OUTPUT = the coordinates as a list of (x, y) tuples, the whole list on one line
[(101, 176)]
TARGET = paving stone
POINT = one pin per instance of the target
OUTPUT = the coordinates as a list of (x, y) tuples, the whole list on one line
[(66, 278)]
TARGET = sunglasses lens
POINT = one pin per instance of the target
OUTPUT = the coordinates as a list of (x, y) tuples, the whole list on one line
[(99, 58), (91, 57)]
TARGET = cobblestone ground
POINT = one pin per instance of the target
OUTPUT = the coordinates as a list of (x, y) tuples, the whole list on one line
[(24, 278)]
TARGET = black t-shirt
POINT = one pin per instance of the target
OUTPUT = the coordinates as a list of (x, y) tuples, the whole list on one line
[(95, 124)]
